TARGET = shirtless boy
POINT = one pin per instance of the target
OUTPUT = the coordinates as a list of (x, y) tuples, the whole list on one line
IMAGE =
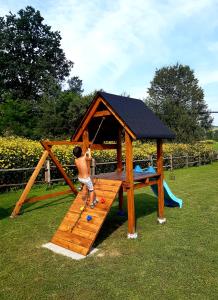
[(81, 162)]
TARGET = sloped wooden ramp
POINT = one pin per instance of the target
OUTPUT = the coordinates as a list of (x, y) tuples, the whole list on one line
[(75, 232)]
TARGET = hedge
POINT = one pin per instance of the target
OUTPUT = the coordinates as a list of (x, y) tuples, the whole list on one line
[(17, 152)]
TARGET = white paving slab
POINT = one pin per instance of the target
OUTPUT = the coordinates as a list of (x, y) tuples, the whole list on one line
[(60, 250)]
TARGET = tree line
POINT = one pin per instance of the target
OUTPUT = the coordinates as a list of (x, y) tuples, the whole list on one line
[(39, 99)]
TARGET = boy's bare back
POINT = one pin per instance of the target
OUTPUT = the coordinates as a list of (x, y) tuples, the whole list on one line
[(82, 166)]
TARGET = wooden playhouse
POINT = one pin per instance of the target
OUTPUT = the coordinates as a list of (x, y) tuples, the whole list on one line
[(117, 120)]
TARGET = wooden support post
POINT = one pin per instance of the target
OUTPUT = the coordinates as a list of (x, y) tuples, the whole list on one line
[(160, 211), (119, 150), (60, 168), (130, 189), (86, 146), (30, 183), (120, 165), (85, 141)]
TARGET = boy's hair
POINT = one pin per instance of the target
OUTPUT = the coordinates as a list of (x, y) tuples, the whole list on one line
[(77, 151)]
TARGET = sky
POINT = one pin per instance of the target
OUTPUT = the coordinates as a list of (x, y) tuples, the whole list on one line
[(117, 45)]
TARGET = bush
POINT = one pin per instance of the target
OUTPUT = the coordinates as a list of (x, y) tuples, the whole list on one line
[(16, 152)]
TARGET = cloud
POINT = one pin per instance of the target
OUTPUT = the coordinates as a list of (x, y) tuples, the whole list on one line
[(117, 45), (208, 77), (105, 44)]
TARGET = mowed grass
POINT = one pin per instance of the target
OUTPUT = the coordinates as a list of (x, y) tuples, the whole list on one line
[(215, 146), (177, 260)]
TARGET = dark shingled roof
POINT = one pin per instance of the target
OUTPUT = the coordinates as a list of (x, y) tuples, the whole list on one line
[(137, 116)]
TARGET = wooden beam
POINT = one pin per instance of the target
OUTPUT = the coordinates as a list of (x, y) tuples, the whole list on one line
[(102, 113), (52, 195), (119, 149), (29, 185), (103, 146), (86, 143), (160, 211), (130, 182), (144, 184), (60, 168), (87, 119), (120, 196), (85, 147), (52, 143)]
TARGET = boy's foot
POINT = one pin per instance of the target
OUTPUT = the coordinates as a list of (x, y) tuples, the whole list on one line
[(92, 205)]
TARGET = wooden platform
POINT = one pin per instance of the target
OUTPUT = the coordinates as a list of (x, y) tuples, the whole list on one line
[(75, 232), (122, 176), (138, 177)]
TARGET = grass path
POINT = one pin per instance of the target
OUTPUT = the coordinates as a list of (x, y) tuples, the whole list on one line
[(176, 261)]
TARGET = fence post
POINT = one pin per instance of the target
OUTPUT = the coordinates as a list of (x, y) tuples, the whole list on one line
[(151, 159), (187, 161), (48, 172), (171, 162), (199, 158), (93, 167), (211, 159)]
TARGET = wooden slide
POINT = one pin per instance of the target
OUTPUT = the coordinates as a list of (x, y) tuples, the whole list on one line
[(75, 232)]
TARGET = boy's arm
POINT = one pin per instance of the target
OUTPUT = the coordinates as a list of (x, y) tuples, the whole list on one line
[(88, 154)]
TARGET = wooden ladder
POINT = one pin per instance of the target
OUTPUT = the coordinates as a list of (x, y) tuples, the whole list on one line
[(75, 232)]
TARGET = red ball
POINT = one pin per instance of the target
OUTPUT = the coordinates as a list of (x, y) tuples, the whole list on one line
[(102, 200)]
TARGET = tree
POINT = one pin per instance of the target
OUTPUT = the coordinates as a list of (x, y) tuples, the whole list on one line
[(61, 114), (30, 55), (176, 97), (75, 85), (15, 118)]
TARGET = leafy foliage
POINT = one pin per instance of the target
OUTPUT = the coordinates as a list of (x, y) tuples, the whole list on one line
[(61, 114), (75, 85), (30, 55), (178, 100)]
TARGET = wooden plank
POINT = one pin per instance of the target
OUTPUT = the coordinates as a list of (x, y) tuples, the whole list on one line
[(60, 168), (29, 185), (119, 149), (52, 195), (102, 113), (95, 220), (108, 182), (83, 224), (52, 143), (84, 233), (120, 197), (103, 146), (107, 188), (144, 184), (130, 189), (87, 118), (75, 230), (109, 195), (73, 238), (69, 245), (96, 212)]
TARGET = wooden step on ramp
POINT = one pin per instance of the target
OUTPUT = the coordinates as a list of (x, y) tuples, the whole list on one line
[(75, 232)]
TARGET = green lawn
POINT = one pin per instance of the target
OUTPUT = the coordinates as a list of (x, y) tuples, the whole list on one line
[(178, 260), (215, 146)]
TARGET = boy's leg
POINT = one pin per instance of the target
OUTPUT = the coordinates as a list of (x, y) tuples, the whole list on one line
[(92, 196)]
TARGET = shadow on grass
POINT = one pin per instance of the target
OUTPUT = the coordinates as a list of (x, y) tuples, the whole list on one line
[(5, 213), (29, 207), (144, 205)]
